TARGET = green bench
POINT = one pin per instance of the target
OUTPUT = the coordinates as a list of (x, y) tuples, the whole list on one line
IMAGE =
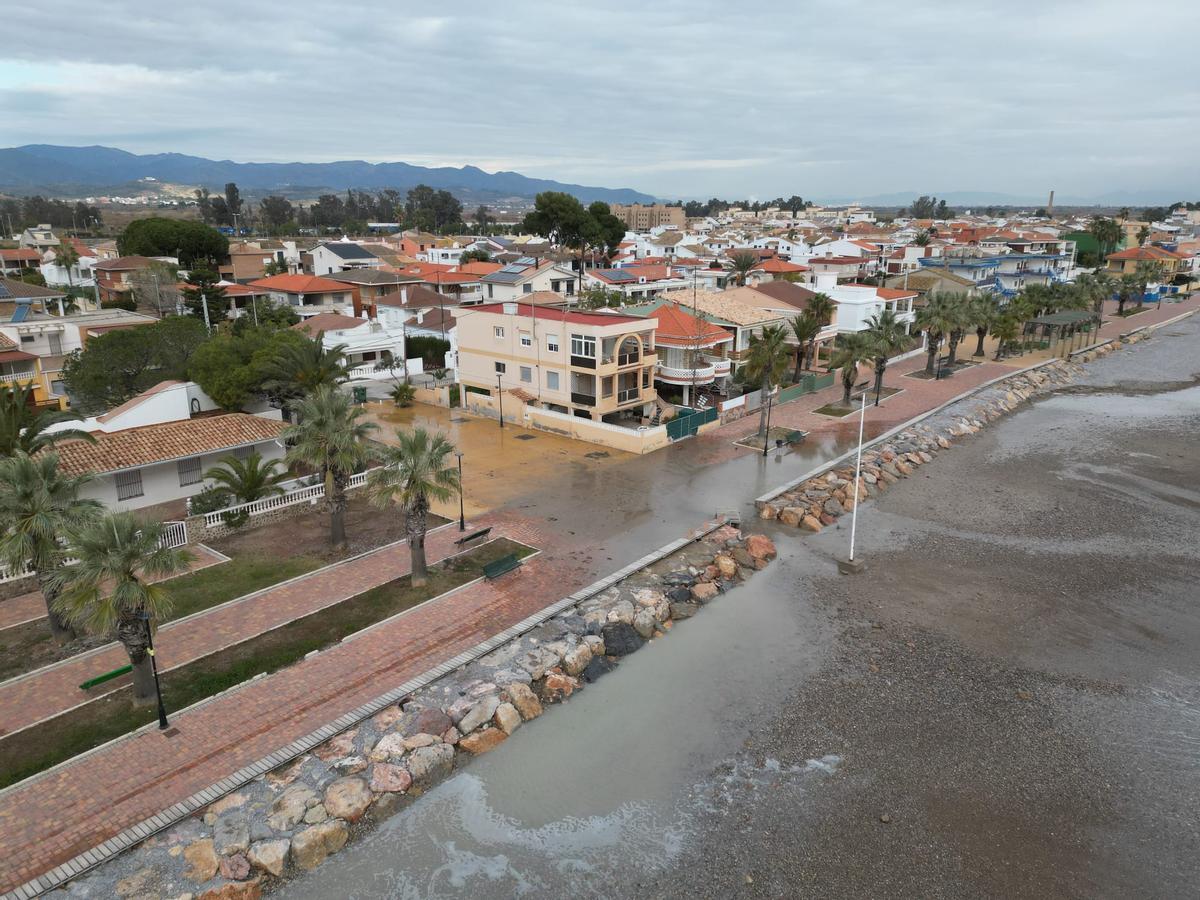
[(107, 676), (481, 533), (498, 567)]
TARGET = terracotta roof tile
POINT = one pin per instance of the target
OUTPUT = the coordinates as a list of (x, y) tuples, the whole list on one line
[(148, 444)]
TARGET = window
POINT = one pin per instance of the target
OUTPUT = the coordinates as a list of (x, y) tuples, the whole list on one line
[(526, 340), (552, 343), (129, 484), (498, 332), (527, 288), (189, 472), (491, 292), (27, 339), (552, 381), (501, 368), (527, 374), (606, 386), (583, 345), (242, 452), (556, 286)]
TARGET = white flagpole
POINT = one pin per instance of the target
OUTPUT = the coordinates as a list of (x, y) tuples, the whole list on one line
[(862, 416)]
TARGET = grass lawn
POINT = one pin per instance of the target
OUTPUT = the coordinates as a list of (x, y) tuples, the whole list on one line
[(1133, 311), (24, 648), (774, 433), (43, 745), (838, 411)]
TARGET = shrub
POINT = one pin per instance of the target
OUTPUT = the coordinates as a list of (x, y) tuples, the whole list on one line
[(208, 500), (403, 393)]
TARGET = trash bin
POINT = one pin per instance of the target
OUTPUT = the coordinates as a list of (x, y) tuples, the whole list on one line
[(360, 395)]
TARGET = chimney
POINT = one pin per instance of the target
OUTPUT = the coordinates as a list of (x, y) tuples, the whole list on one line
[(1050, 205)]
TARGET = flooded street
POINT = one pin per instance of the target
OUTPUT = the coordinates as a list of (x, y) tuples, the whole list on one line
[(1004, 704)]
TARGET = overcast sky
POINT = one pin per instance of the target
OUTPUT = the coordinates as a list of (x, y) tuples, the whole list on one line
[(824, 99)]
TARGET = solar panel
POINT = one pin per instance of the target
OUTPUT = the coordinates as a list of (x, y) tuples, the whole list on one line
[(4, 292), (21, 312), (527, 261), (513, 269)]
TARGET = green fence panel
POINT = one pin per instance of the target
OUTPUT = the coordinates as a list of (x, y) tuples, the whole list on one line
[(823, 381)]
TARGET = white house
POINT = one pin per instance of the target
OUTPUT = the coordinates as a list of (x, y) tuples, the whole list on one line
[(527, 275), (374, 347), (338, 256), (156, 449), (81, 274)]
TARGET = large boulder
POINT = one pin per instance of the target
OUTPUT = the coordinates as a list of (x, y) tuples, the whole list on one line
[(622, 612), (429, 764), (290, 806), (576, 658), (202, 860), (234, 890), (348, 798), (312, 845), (558, 685), (483, 741), (429, 720), (525, 700), (269, 855), (643, 623), (683, 610), (478, 714), (600, 665), (621, 639), (759, 546), (808, 523), (389, 778), (231, 834), (704, 591), (390, 746), (507, 719)]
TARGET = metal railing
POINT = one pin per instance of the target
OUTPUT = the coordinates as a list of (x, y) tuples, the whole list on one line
[(583, 399), (309, 494), (706, 372), (628, 394), (17, 377)]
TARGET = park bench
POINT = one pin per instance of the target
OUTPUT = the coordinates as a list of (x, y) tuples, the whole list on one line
[(795, 437), (107, 676), (498, 567), (481, 533)]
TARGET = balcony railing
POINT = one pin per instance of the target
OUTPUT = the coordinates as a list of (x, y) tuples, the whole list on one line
[(701, 374), (628, 394), (17, 377), (719, 363), (583, 362), (628, 359), (583, 399)]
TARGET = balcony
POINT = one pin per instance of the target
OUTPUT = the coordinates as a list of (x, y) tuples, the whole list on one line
[(23, 377), (628, 395), (628, 359), (583, 362), (583, 399), (721, 365), (702, 374)]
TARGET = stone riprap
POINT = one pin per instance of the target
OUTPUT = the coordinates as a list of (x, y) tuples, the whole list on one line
[(293, 818), (822, 499)]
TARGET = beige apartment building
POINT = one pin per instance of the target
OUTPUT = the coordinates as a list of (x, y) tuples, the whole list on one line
[(642, 218), (591, 365)]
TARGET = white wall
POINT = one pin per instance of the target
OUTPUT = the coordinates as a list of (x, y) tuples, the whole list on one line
[(160, 482)]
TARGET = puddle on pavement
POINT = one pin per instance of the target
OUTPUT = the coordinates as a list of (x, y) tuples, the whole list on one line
[(610, 785)]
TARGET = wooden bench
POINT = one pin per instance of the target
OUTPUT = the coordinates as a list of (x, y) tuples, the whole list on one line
[(481, 533), (498, 567)]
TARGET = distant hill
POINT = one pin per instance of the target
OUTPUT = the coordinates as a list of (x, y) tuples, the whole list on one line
[(45, 166), (980, 199)]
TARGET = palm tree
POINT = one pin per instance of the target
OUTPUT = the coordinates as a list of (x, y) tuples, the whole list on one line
[(743, 263), (249, 479), (1108, 234), (1143, 234), (38, 504), (922, 239), (331, 438), (820, 306), (24, 429), (304, 366), (414, 472), (982, 312), (106, 590), (1123, 213), (1005, 331), (886, 336), (937, 320), (806, 328), (1129, 287), (766, 361), (67, 256), (852, 348), (1144, 274), (959, 310)]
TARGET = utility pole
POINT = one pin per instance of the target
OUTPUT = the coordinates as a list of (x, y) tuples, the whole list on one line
[(204, 303)]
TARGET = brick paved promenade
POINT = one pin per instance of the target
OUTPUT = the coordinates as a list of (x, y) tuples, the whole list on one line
[(48, 820), (46, 692)]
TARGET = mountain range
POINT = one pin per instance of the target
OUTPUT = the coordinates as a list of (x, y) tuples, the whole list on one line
[(99, 169), (979, 199)]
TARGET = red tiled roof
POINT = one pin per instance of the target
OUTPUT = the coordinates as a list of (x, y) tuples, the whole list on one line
[(776, 265), (149, 444), (125, 263), (677, 328), (327, 322), (838, 260), (576, 317), (1149, 253), (477, 267), (886, 293), (301, 284), (27, 254)]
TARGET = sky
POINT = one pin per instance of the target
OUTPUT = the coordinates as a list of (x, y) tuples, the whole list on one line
[(841, 99)]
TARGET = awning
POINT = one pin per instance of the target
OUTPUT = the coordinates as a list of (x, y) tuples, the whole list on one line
[(15, 356)]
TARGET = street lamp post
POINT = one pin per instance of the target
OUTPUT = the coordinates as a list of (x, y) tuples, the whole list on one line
[(767, 436), (162, 710), (500, 399), (462, 516)]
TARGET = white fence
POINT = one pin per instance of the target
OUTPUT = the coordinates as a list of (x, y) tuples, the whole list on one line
[(174, 535), (310, 494), (371, 372)]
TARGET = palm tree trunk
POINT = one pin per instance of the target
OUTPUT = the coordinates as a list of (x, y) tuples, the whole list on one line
[(980, 333), (766, 399), (131, 632), (60, 630), (931, 351), (799, 361), (415, 520), (847, 386), (880, 368), (335, 487), (954, 339), (812, 353)]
